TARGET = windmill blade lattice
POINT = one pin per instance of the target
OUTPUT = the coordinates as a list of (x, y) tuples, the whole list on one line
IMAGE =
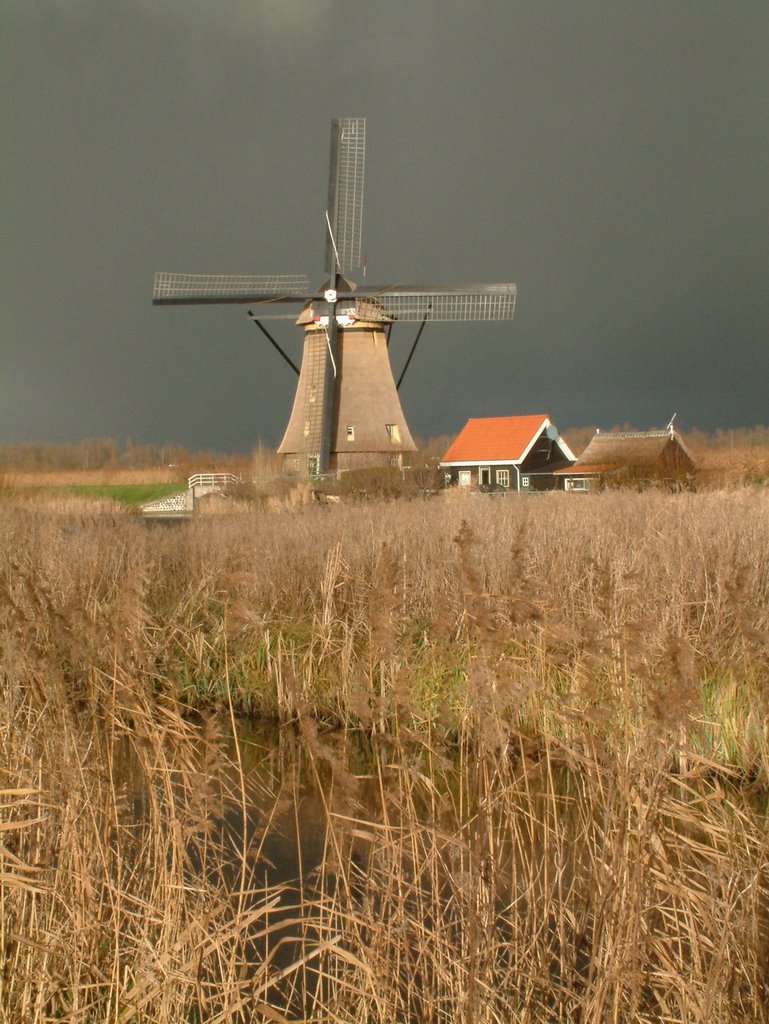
[(345, 194), (177, 289), (460, 302)]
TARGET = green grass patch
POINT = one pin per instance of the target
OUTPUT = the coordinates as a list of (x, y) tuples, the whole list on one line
[(130, 495)]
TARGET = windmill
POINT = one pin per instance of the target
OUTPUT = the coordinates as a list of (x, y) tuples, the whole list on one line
[(346, 412)]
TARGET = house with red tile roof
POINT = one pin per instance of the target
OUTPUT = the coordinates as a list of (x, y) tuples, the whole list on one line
[(507, 453)]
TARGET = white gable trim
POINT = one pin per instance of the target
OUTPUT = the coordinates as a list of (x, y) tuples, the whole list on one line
[(534, 437), (483, 462), (565, 449)]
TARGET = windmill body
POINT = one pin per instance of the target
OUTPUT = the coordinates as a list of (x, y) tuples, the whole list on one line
[(346, 412), (366, 426)]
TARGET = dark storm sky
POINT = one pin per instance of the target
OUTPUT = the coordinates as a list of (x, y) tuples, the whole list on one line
[(610, 157)]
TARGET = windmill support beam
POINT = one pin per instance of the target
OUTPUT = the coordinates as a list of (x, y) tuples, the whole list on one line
[(411, 353), (273, 342), (329, 384)]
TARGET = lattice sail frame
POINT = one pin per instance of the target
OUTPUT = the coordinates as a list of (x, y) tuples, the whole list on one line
[(346, 177), (175, 288), (465, 302)]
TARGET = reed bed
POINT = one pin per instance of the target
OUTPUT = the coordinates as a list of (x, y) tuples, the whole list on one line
[(614, 609), (558, 812), (733, 465), (93, 477)]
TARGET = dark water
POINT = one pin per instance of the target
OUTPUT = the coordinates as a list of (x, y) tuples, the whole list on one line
[(286, 819), (271, 797)]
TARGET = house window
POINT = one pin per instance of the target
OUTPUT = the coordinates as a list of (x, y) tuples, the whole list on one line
[(484, 476), (312, 465), (351, 433), (306, 428), (503, 477), (577, 484), (313, 392), (464, 478), (394, 432), (524, 481)]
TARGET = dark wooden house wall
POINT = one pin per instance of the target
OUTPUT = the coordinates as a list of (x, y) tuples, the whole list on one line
[(452, 474), (544, 452)]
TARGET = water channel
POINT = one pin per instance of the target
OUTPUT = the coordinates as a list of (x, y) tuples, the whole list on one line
[(398, 873)]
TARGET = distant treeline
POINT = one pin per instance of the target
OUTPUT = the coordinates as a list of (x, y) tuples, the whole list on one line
[(106, 453)]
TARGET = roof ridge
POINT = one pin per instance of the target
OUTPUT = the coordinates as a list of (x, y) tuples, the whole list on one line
[(621, 434), (519, 416)]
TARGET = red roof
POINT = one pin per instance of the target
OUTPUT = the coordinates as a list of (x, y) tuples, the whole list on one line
[(495, 438)]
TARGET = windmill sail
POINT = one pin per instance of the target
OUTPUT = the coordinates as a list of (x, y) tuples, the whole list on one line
[(345, 194), (455, 302), (178, 289)]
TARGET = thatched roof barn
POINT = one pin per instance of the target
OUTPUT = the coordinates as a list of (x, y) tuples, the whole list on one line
[(637, 455)]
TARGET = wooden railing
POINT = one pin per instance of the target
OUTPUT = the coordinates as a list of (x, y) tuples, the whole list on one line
[(212, 480)]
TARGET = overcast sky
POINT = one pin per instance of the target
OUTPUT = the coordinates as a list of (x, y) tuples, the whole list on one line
[(610, 157)]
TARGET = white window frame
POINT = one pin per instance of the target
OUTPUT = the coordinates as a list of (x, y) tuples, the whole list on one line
[(464, 477), (524, 481), (503, 478), (350, 433)]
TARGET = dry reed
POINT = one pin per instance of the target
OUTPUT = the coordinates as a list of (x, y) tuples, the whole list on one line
[(560, 816)]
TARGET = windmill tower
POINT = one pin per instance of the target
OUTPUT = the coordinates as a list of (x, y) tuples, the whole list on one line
[(346, 412)]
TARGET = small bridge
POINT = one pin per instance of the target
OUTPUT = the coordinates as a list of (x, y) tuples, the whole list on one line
[(211, 483), (182, 505), (175, 506)]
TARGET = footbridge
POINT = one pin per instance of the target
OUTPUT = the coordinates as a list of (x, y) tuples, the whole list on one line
[(182, 505), (211, 483)]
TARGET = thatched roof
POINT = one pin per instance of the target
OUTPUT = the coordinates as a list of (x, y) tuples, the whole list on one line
[(652, 450)]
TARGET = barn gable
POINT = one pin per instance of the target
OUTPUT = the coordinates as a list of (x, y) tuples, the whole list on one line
[(637, 455)]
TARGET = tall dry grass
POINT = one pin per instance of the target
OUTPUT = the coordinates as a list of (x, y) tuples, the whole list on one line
[(561, 815), (608, 605), (94, 477), (505, 887), (732, 465), (117, 900)]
